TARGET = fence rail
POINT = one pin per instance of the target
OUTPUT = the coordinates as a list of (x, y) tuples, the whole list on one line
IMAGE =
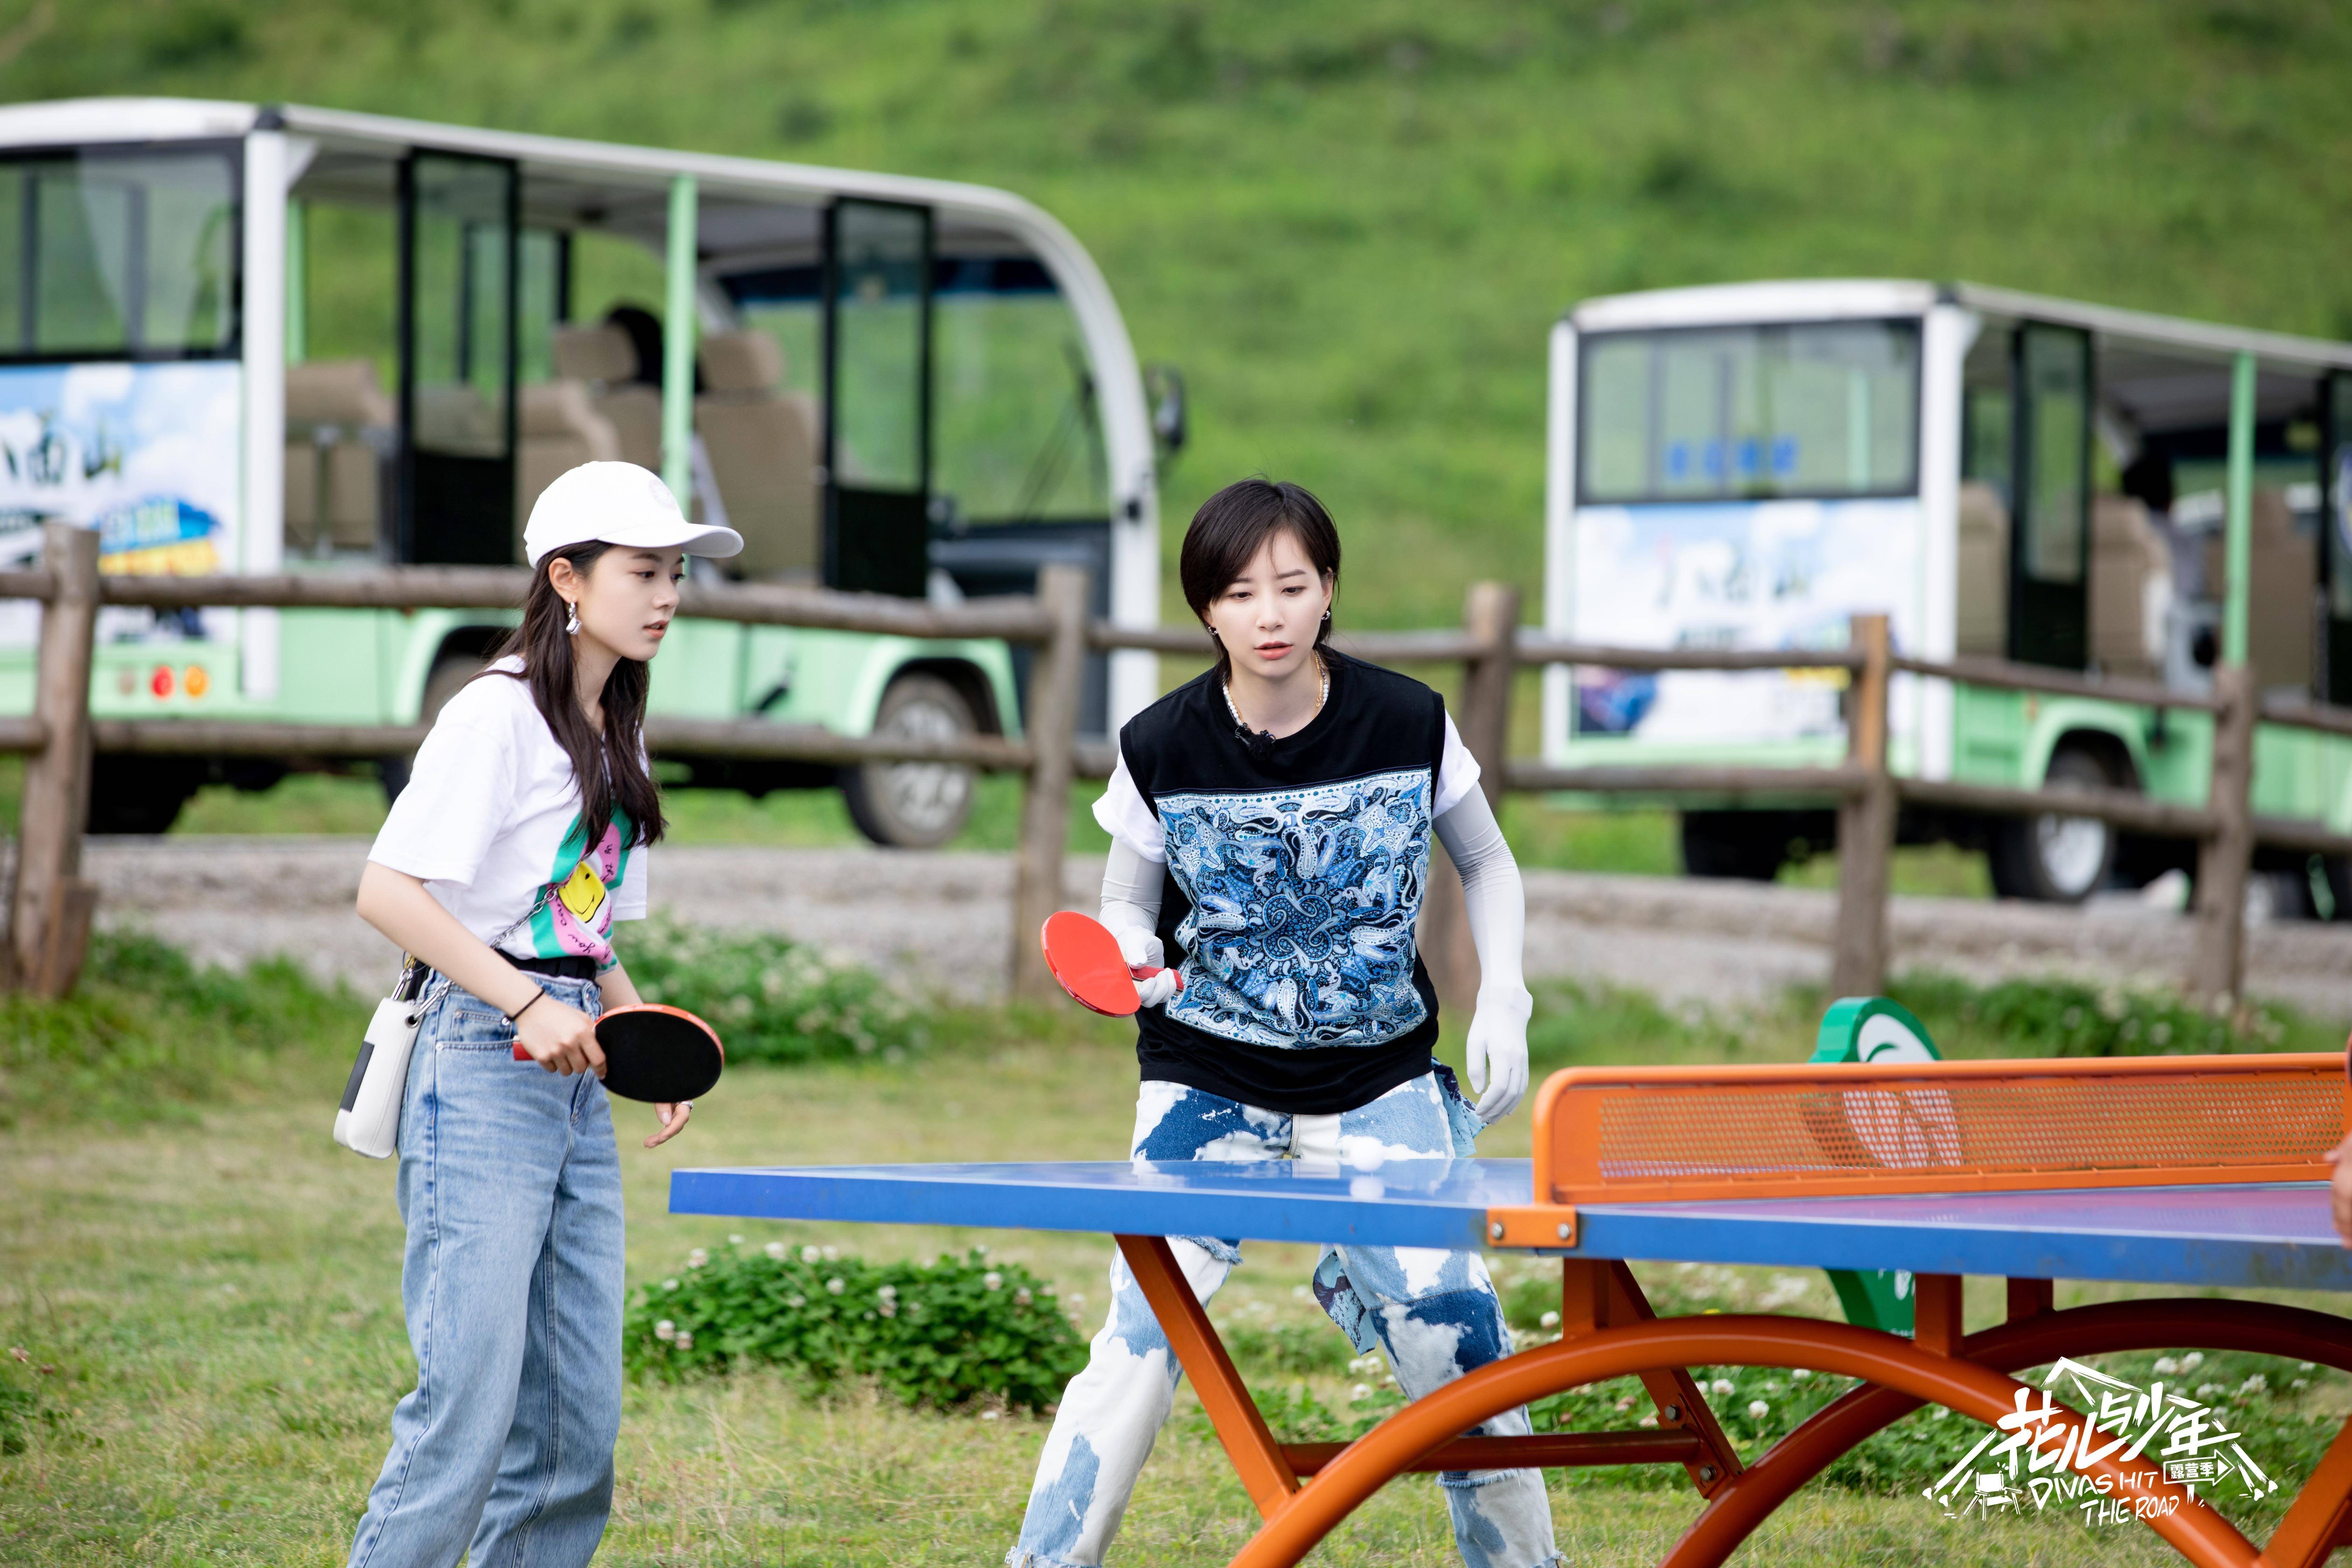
[(48, 907)]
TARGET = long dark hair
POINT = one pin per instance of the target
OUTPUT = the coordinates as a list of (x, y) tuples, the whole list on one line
[(1233, 525), (610, 768)]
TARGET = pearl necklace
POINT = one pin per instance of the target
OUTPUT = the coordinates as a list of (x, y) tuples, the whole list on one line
[(1321, 698)]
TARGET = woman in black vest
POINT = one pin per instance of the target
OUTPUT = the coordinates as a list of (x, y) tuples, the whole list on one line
[(1271, 824)]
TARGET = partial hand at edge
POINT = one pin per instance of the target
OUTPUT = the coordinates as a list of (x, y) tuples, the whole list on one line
[(1497, 1054)]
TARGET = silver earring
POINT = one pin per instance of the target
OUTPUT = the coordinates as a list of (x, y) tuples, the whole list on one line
[(572, 627), (1327, 614)]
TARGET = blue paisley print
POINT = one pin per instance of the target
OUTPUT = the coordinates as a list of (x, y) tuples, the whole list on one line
[(1303, 902)]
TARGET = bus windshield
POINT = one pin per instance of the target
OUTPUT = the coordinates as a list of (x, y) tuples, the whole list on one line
[(1814, 409)]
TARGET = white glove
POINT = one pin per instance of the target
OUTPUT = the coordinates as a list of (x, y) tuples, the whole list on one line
[(1141, 950), (1498, 1052)]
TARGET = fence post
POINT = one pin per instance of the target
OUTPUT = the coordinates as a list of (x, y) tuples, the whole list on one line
[(2216, 969), (49, 904), (1865, 823), (1490, 618), (1045, 803)]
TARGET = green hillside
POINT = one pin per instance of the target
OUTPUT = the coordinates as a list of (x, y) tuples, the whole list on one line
[(1350, 223)]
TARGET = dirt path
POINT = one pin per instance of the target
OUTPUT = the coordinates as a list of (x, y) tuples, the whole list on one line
[(941, 921)]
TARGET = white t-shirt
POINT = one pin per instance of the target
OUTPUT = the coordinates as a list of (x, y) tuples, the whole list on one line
[(1126, 816), (490, 822)]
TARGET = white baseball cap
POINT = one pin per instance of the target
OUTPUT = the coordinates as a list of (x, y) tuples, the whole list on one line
[(617, 503)]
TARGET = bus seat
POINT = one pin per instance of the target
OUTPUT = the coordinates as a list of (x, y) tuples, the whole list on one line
[(333, 475), (560, 430), (2283, 578), (1981, 623), (2131, 588), (602, 355), (761, 442)]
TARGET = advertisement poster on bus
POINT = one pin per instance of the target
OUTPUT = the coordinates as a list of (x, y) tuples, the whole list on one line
[(1766, 574), (145, 454)]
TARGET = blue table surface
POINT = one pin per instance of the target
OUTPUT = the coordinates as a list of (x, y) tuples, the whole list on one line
[(2271, 1235)]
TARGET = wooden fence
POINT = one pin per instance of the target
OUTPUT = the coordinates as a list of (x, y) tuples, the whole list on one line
[(50, 906)]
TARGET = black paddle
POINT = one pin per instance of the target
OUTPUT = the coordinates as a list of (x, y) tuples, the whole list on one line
[(656, 1054)]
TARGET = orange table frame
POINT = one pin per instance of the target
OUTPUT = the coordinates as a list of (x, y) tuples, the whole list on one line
[(1305, 1489)]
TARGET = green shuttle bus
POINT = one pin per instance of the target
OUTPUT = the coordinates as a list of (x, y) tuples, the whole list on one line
[(2002, 475), (890, 385)]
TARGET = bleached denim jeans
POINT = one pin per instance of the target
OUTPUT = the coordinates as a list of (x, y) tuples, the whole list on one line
[(1434, 1314), (512, 1286)]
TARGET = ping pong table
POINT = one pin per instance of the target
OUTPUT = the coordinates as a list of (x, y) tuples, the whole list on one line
[(2201, 1172)]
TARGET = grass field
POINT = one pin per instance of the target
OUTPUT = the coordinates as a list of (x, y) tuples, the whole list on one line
[(205, 1293)]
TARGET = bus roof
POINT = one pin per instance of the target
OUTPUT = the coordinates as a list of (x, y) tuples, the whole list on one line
[(1731, 304)]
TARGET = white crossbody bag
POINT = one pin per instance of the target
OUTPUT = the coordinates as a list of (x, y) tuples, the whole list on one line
[(368, 1121)]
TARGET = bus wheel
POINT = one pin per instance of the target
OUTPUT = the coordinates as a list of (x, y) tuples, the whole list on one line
[(914, 806), (2051, 858), (450, 672), (1746, 846), (139, 794)]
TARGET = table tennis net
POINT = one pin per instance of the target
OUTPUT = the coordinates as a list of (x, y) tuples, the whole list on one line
[(1621, 1135)]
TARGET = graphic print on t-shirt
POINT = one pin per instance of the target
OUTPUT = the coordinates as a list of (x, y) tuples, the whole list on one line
[(1300, 931), (578, 920)]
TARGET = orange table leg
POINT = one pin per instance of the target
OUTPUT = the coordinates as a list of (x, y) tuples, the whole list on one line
[(2031, 1297), (1681, 1403), (1936, 1313), (2203, 1536), (2293, 1332), (2317, 1521), (1266, 1474)]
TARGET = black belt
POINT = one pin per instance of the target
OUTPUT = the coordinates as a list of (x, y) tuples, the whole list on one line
[(568, 967)]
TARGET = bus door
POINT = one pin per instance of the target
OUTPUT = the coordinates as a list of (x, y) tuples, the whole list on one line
[(877, 396), (2336, 534), (459, 282), (2049, 580)]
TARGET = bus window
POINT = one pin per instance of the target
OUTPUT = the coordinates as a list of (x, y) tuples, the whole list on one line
[(1019, 439), (1818, 409), (878, 408), (458, 363), (2049, 607), (107, 255)]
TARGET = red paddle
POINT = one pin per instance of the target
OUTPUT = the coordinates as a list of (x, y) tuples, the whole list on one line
[(656, 1054), (1084, 957)]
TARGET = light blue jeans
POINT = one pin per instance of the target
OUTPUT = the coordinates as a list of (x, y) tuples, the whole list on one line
[(1434, 1314), (512, 1284)]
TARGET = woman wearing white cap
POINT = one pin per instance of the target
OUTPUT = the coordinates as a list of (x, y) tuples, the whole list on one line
[(520, 839)]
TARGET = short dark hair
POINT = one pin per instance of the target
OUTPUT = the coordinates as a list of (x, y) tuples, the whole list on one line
[(1233, 525)]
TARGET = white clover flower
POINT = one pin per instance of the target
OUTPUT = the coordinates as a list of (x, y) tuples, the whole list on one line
[(988, 1416), (835, 1286), (832, 1255), (809, 1255), (1076, 1302), (1361, 1391), (889, 1308), (1939, 1413), (1550, 1320), (1627, 1402), (2206, 1390), (992, 1281), (1800, 1373), (796, 1302), (2256, 1384), (2166, 1366), (1298, 1293), (664, 1330), (889, 1292), (2194, 1358), (670, 1284), (1021, 1298), (1721, 1385), (1649, 1420), (685, 1341), (734, 1241), (2300, 1383), (696, 1259), (1757, 1409), (2306, 1365), (775, 1249)]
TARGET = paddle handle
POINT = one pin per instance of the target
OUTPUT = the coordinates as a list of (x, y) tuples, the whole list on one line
[(1146, 973)]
